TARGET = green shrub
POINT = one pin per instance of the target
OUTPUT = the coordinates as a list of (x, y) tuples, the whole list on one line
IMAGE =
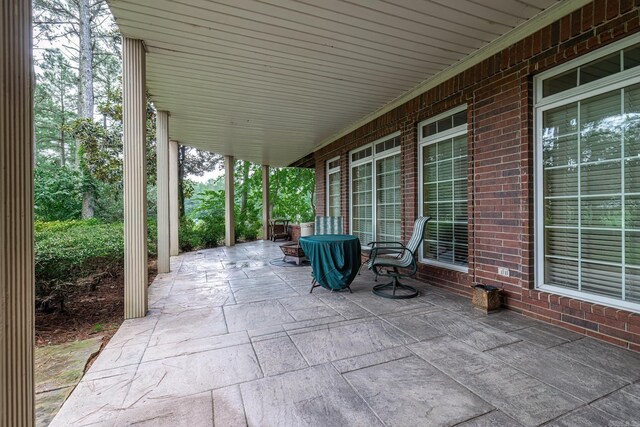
[(57, 192), (189, 238), (206, 232), (67, 251)]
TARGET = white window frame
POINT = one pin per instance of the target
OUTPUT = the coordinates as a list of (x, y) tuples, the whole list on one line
[(330, 172), (541, 104), (423, 141), (371, 159)]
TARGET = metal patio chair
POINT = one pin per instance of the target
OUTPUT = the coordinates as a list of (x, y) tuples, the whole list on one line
[(402, 265)]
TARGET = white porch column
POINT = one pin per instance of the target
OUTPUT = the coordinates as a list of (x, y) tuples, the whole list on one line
[(229, 197), (135, 178), (265, 202), (16, 216), (162, 157), (174, 214)]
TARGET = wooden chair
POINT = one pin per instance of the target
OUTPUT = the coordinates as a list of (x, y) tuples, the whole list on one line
[(279, 229)]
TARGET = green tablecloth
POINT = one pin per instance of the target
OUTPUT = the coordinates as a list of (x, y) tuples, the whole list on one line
[(335, 258)]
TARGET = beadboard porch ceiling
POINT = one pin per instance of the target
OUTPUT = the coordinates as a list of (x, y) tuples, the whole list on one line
[(271, 81)]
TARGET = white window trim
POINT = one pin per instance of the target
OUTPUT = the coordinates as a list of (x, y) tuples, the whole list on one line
[(622, 76), (371, 159), (330, 172), (607, 84), (428, 140)]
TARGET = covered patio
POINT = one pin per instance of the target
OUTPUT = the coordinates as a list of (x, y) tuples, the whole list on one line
[(232, 340), (352, 88)]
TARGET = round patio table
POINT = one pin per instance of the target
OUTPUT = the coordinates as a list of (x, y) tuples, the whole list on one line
[(335, 259)]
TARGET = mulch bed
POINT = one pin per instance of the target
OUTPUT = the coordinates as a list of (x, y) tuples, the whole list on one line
[(87, 313)]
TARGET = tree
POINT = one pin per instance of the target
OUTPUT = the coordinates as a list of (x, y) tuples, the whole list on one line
[(85, 30), (292, 194), (194, 162), (54, 105), (57, 192)]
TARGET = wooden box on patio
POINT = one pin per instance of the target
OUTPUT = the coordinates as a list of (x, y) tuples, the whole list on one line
[(487, 298)]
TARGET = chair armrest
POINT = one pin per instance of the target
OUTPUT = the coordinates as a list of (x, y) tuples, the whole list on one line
[(386, 244), (400, 251), (397, 251)]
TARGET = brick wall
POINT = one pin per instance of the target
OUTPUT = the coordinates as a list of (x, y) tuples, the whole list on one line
[(499, 97)]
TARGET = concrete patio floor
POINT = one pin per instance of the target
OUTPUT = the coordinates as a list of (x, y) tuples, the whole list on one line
[(231, 340)]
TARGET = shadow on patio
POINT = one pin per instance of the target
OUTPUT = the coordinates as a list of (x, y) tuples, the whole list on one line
[(232, 340)]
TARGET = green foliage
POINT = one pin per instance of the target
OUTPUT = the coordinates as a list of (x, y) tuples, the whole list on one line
[(152, 237), (69, 253), (293, 194), (102, 144), (206, 227), (57, 193), (189, 235), (66, 251), (54, 107), (71, 249)]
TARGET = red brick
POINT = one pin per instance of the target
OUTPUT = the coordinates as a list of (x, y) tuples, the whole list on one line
[(613, 8), (620, 334), (599, 12), (499, 95), (626, 5), (607, 338)]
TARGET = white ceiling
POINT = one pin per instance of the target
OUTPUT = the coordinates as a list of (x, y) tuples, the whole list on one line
[(269, 81)]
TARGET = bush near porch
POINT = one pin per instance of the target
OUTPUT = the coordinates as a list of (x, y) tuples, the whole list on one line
[(75, 255)]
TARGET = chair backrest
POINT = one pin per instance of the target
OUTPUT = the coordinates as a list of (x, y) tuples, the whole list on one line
[(416, 239), (328, 225)]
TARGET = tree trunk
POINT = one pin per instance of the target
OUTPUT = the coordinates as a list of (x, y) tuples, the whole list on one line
[(85, 104), (63, 123), (245, 189), (87, 205), (86, 62), (181, 155)]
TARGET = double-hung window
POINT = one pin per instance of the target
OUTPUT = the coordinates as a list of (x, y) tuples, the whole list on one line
[(588, 177), (375, 190), (333, 187), (443, 196)]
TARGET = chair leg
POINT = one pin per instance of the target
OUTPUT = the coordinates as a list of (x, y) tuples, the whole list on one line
[(388, 290)]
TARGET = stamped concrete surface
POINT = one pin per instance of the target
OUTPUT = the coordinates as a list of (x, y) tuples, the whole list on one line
[(58, 369), (231, 340)]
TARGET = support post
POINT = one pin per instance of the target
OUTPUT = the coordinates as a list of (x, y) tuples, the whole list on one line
[(174, 214), (135, 178), (162, 173), (229, 197), (16, 216), (265, 202)]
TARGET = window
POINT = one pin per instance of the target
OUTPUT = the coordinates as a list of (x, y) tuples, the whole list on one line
[(588, 180), (375, 181), (443, 178), (333, 187)]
